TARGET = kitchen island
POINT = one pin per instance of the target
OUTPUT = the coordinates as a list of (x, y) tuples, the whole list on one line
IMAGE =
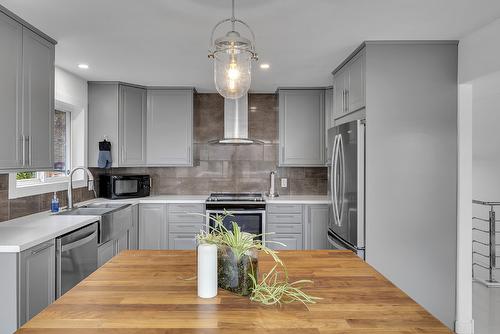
[(153, 292)]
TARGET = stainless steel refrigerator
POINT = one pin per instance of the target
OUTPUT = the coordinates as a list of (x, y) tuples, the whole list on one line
[(346, 180)]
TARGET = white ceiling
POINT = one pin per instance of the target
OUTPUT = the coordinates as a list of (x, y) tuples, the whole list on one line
[(165, 42)]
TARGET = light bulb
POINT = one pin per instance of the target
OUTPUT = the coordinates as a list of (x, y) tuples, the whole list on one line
[(233, 73)]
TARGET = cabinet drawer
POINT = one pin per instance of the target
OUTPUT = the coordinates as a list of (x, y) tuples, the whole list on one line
[(181, 241), (292, 218), (284, 228), (284, 208), (177, 217), (186, 207), (185, 228), (291, 242)]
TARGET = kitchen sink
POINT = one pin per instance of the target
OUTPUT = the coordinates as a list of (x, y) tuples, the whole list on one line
[(85, 211), (105, 205), (115, 218)]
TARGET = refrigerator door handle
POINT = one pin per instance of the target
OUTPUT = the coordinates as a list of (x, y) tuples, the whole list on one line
[(334, 180), (342, 178)]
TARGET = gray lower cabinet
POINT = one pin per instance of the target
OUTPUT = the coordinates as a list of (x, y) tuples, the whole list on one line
[(105, 252), (301, 127), (284, 223), (133, 235), (37, 280), (178, 241), (170, 127), (117, 113), (153, 228), (110, 249), (184, 222), (27, 284), (27, 95), (316, 227)]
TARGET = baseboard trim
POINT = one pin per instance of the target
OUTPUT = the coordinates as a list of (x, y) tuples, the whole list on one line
[(464, 327)]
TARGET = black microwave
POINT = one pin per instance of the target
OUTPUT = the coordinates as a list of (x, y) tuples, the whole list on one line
[(124, 186)]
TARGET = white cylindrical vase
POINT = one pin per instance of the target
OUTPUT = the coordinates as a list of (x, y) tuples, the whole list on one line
[(207, 271)]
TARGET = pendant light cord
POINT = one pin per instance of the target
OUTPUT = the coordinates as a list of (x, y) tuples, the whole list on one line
[(233, 19)]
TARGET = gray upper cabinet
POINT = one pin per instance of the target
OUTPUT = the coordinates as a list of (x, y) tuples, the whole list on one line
[(349, 86), (153, 229), (316, 227), (37, 280), (132, 126), (27, 95), (170, 127), (38, 99), (117, 113), (301, 127), (11, 53)]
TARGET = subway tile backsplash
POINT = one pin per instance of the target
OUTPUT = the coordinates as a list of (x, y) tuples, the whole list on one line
[(216, 167)]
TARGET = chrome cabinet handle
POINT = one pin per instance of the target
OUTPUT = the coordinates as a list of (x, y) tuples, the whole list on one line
[(347, 100), (29, 150), (23, 143), (35, 252)]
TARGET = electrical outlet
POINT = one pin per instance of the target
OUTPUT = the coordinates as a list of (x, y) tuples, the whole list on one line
[(284, 182)]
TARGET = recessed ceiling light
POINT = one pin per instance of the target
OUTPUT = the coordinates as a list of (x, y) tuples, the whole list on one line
[(264, 66), (83, 66)]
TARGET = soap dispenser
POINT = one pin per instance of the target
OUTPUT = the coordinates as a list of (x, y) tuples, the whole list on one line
[(54, 205)]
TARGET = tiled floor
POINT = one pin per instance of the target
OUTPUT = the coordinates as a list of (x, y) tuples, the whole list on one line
[(486, 309)]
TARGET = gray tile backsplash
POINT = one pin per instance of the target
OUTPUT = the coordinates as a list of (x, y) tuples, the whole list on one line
[(233, 167)]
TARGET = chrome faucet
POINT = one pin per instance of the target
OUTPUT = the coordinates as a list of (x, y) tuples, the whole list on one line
[(272, 189), (90, 184)]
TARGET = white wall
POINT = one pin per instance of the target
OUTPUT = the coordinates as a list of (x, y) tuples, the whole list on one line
[(71, 93), (479, 52), (479, 61)]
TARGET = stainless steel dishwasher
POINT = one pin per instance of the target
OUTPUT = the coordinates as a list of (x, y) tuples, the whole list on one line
[(76, 257)]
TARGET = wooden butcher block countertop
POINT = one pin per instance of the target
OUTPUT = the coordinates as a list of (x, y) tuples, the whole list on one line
[(147, 292)]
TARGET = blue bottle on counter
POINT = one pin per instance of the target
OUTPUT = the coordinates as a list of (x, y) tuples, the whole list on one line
[(54, 205)]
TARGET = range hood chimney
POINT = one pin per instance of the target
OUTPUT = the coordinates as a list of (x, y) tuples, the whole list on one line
[(236, 123)]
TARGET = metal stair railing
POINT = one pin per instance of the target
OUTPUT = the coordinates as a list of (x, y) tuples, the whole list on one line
[(491, 232)]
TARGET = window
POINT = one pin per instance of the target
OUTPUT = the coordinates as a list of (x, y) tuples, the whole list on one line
[(29, 183), (62, 160)]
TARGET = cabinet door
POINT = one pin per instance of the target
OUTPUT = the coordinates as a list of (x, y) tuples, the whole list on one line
[(132, 129), (170, 128), (105, 252), (316, 227), (38, 100), (301, 127), (356, 90), (11, 55), (153, 226), (133, 235), (291, 241), (122, 243), (182, 241), (339, 98), (103, 120), (37, 281)]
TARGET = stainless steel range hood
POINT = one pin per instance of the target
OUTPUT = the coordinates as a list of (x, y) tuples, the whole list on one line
[(236, 123)]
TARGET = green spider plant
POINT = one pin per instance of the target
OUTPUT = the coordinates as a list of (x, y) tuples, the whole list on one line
[(240, 242)]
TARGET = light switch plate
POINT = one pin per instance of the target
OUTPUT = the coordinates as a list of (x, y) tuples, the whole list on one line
[(284, 182)]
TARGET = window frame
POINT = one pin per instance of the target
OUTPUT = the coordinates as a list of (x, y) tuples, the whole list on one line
[(53, 184)]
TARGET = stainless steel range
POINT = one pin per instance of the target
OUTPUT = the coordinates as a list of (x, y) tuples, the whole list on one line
[(248, 211)]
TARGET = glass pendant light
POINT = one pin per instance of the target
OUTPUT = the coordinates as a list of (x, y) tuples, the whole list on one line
[(232, 55)]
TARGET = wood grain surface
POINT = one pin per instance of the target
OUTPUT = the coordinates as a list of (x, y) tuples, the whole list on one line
[(147, 292)]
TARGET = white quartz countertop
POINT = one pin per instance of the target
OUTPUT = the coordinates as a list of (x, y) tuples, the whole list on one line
[(22, 233), (299, 199)]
